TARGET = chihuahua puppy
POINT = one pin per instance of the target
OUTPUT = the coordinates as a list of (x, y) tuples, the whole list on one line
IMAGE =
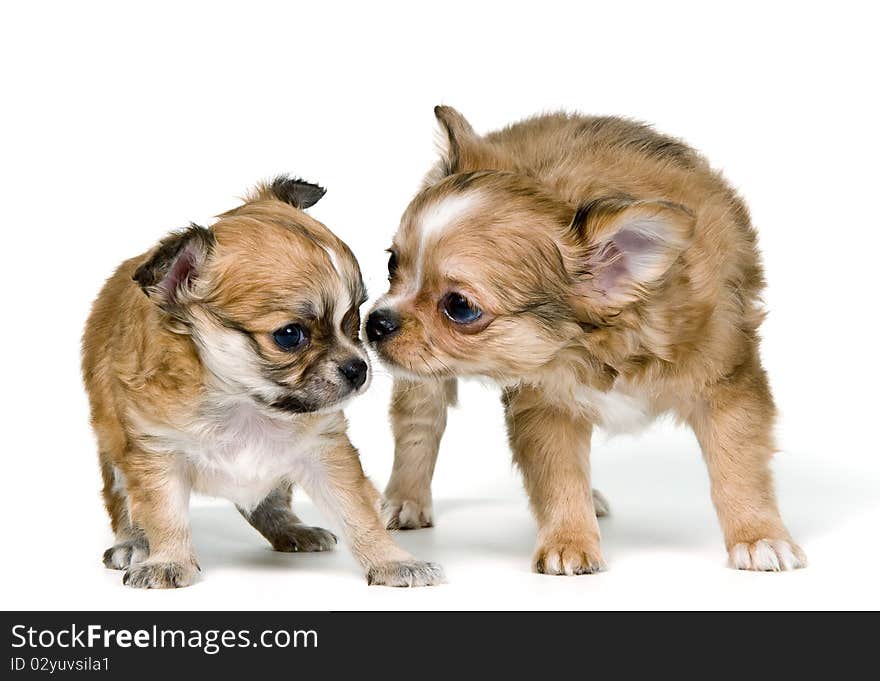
[(219, 362), (603, 274)]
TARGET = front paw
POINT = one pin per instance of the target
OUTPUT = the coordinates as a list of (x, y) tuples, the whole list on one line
[(406, 573), (407, 514), (160, 575), (568, 557), (296, 538), (767, 555)]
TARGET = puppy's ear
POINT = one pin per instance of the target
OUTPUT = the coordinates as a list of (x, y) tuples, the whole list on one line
[(459, 141), (298, 193), (168, 274), (624, 246)]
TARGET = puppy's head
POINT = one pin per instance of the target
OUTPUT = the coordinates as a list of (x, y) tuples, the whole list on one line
[(491, 274), (271, 299)]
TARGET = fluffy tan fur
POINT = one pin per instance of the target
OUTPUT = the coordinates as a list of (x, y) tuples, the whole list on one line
[(189, 391), (617, 278)]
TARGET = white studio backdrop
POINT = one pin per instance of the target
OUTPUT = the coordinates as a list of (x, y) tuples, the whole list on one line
[(120, 123)]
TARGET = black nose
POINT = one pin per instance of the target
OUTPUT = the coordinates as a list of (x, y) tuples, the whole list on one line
[(355, 370), (382, 323)]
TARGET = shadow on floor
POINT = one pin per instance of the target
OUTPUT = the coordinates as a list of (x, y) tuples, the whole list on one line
[(657, 503)]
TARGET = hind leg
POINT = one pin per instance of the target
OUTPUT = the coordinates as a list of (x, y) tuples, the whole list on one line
[(130, 545), (274, 519), (734, 427)]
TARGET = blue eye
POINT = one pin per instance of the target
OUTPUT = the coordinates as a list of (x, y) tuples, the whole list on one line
[(461, 310), (289, 337), (392, 264)]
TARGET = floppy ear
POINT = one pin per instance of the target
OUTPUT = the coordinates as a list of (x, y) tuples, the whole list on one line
[(173, 266), (458, 138), (624, 246), (298, 193)]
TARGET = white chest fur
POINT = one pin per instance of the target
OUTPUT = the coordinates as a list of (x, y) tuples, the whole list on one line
[(236, 452), (617, 410)]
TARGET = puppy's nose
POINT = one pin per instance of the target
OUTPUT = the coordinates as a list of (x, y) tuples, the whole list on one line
[(355, 370), (382, 323)]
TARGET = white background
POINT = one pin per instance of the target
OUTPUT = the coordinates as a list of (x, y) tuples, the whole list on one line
[(120, 123)]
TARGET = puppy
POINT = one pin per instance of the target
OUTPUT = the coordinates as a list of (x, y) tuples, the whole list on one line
[(603, 274), (219, 362)]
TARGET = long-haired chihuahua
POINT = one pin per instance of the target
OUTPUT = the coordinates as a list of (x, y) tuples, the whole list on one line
[(603, 274), (219, 362)]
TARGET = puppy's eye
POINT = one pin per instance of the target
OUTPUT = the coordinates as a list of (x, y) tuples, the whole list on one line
[(289, 337), (461, 310), (392, 264)]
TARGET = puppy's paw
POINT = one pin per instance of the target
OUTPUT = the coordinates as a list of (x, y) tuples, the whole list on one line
[(407, 514), (767, 555), (568, 558), (406, 573), (120, 556), (297, 538), (159, 575), (600, 504)]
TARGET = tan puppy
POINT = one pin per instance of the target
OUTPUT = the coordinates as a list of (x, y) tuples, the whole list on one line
[(602, 274), (219, 363)]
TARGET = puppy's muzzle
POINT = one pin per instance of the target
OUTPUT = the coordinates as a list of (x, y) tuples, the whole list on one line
[(382, 324), (355, 372)]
